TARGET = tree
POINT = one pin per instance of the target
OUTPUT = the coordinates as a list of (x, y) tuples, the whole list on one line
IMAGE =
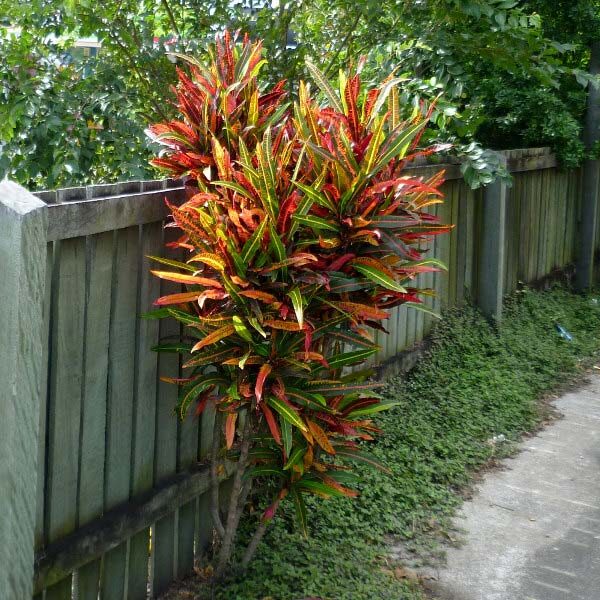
[(494, 61)]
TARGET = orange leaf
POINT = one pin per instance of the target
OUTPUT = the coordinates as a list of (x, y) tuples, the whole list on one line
[(320, 437), (230, 429), (188, 279), (177, 299), (285, 325), (340, 488), (215, 336), (258, 295)]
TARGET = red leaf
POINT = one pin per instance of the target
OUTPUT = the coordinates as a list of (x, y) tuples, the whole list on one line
[(260, 380), (338, 263), (271, 422)]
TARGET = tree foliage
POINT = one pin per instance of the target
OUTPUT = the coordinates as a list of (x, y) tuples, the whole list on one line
[(76, 124)]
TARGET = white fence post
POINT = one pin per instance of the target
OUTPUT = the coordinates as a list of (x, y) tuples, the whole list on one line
[(23, 223)]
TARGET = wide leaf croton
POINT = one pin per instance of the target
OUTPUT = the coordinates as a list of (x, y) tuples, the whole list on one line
[(301, 232)]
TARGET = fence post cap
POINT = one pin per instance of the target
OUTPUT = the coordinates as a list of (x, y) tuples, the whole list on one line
[(17, 199)]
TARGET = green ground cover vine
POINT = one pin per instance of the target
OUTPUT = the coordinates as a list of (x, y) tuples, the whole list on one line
[(474, 384)]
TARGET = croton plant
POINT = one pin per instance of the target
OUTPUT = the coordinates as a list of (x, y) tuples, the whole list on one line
[(300, 232)]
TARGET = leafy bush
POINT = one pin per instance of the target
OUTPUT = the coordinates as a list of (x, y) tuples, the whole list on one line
[(301, 233), (521, 113)]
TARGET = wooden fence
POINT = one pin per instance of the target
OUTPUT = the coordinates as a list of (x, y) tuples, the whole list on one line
[(105, 489), (538, 213)]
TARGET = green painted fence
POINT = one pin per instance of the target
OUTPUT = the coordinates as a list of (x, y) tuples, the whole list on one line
[(106, 489)]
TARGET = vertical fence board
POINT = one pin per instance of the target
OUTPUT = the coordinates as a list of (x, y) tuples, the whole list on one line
[(204, 525), (66, 371), (462, 252), (41, 468), (120, 398), (453, 200), (93, 413), (144, 418), (164, 554), (187, 456)]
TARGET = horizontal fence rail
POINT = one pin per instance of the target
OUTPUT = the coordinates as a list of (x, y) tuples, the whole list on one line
[(114, 492)]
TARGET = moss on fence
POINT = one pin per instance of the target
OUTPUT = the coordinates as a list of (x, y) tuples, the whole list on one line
[(475, 383)]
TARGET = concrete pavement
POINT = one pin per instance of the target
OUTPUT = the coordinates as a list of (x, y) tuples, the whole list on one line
[(533, 530)]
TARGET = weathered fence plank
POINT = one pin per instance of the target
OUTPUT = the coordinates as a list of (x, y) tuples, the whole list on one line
[(90, 501), (66, 385), (102, 535), (492, 262), (163, 533), (120, 397), (87, 217), (145, 406)]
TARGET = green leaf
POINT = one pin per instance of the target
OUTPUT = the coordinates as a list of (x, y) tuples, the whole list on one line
[(316, 196), (315, 222), (371, 410), (325, 86), (296, 297), (253, 244), (379, 278), (264, 471), (317, 487), (199, 385), (289, 414), (176, 347), (300, 509), (241, 329), (335, 389), (172, 263), (423, 308), (350, 358), (307, 399), (360, 456), (295, 457), (255, 323), (427, 262), (286, 434), (397, 145), (236, 187)]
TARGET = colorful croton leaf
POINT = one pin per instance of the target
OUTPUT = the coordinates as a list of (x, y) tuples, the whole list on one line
[(303, 232)]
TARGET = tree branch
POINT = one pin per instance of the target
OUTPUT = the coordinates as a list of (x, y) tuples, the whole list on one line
[(342, 45), (234, 512), (166, 6), (214, 487), (258, 536)]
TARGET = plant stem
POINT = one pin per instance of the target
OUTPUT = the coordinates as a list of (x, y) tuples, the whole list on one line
[(214, 484), (257, 537), (235, 510)]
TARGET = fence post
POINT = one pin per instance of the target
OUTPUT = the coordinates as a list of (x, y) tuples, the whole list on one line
[(23, 222), (492, 259), (590, 182)]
